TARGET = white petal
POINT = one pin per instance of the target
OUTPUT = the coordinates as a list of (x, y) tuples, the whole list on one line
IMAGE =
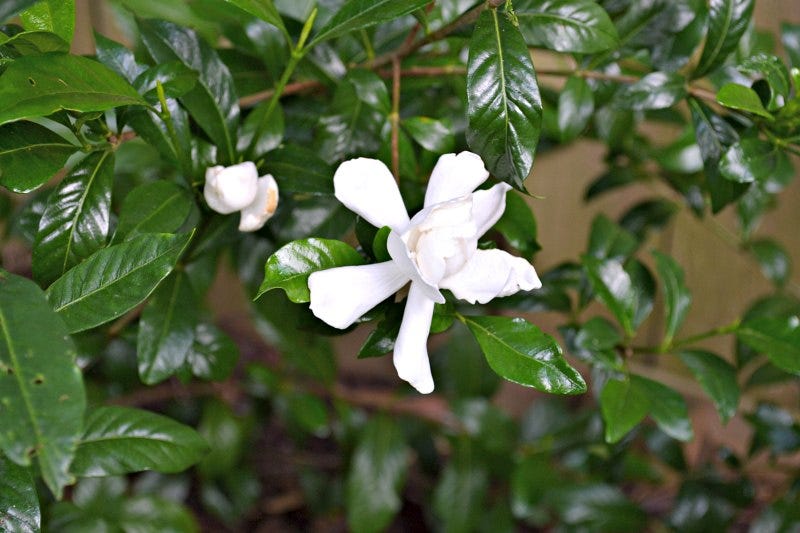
[(454, 176), (488, 206), (339, 296), (490, 274), (263, 206), (411, 346), (368, 189), (229, 189), (401, 257)]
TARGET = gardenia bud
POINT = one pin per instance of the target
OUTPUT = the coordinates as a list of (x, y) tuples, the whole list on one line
[(263, 206), (230, 189)]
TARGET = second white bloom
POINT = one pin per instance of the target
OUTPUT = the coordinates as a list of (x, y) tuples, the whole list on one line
[(238, 188)]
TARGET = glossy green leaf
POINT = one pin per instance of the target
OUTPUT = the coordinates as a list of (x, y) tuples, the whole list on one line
[(156, 207), (19, 505), (8, 8), (657, 90), (40, 384), (262, 9), (39, 85), (459, 499), (717, 377), (790, 37), (121, 440), (677, 298), (743, 98), (518, 225), (76, 220), (290, 266), (607, 240), (359, 14), (595, 342), (432, 134), (580, 26), (522, 353), (772, 69), (774, 260), (727, 22), (30, 155), (36, 42), (667, 408), (778, 338), (595, 506), (227, 436), (504, 109), (751, 160), (213, 354), (626, 291), (175, 78), (623, 405), (114, 280), (377, 474), (271, 135), (575, 107), (381, 340), (213, 102), (117, 57), (370, 89), (298, 169), (166, 329), (647, 215), (57, 16)]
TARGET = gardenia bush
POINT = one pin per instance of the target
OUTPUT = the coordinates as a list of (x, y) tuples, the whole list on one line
[(340, 165)]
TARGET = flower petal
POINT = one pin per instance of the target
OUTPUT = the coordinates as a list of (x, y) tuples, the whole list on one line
[(488, 206), (366, 187), (339, 296), (263, 206), (490, 274), (411, 347), (401, 257), (229, 189), (454, 176)]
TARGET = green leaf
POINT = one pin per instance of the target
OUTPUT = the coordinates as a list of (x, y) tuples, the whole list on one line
[(289, 267), (19, 505), (717, 377), (262, 9), (359, 14), (623, 405), (75, 222), (657, 90), (36, 43), (751, 160), (57, 16), (213, 102), (575, 107), (30, 155), (504, 108), (370, 89), (156, 207), (8, 8), (459, 499), (40, 384), (607, 240), (298, 169), (727, 22), (121, 440), (432, 134), (790, 37), (626, 291), (377, 474), (579, 26), (647, 215), (677, 298), (522, 353), (743, 98), (271, 134), (39, 85), (777, 338), (772, 69), (176, 79), (595, 342), (774, 260), (166, 329), (518, 225), (594, 506), (114, 280), (667, 408), (213, 355)]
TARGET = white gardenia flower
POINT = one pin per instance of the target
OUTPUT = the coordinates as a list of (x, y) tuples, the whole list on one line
[(238, 188), (437, 249)]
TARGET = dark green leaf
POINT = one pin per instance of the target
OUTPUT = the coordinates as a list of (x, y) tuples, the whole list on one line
[(290, 266), (667, 408), (647, 215), (522, 353), (607, 240), (175, 77), (377, 475), (597, 507), (76, 220), (359, 14), (166, 329), (42, 388), (503, 103), (625, 291), (227, 436), (213, 102), (8, 8), (575, 107), (772, 69), (579, 26), (57, 16), (298, 169), (459, 368), (657, 90), (36, 42), (117, 57), (717, 377), (774, 260), (623, 406), (19, 505), (39, 85), (370, 89), (432, 134), (677, 298), (518, 225), (156, 207), (271, 134), (381, 340), (114, 280), (790, 37), (777, 338), (213, 355), (262, 9), (743, 98), (120, 440), (30, 155), (727, 22), (459, 499), (751, 160), (614, 178)]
